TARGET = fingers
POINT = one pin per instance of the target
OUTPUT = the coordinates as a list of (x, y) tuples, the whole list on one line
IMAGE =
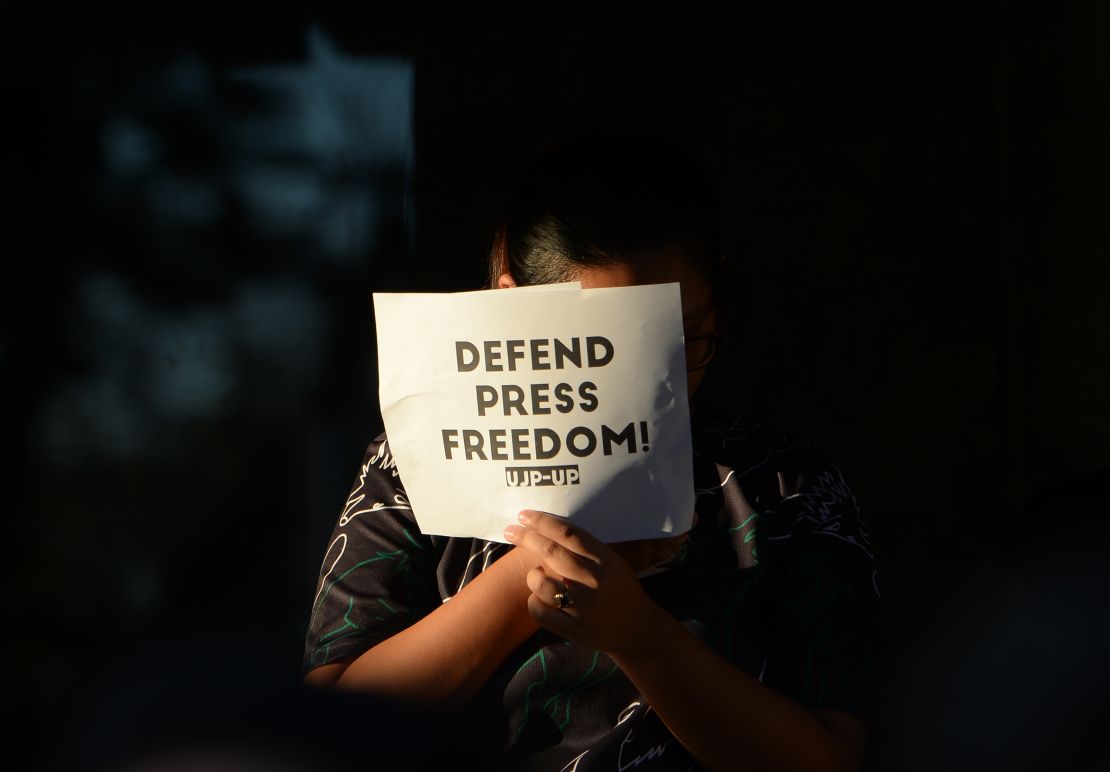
[(582, 590), (558, 622), (554, 556), (543, 605), (563, 548), (563, 533), (548, 589), (575, 553)]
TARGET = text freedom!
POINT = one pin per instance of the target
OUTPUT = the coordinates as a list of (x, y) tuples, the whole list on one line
[(541, 443)]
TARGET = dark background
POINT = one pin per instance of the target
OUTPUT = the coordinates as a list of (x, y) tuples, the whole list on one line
[(202, 201)]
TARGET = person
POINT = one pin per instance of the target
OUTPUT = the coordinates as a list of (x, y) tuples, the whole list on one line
[(750, 642)]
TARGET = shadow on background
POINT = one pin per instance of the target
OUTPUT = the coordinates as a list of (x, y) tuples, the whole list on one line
[(182, 703), (1012, 673)]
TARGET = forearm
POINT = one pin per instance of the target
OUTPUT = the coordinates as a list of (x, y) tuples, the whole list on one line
[(723, 716), (444, 659)]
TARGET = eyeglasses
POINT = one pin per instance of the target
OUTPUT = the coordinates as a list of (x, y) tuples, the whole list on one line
[(700, 350)]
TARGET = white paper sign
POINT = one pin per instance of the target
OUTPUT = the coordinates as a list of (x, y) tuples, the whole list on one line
[(557, 398)]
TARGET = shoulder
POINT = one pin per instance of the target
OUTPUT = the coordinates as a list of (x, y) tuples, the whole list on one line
[(795, 485), (378, 508), (377, 502), (378, 460), (752, 448)]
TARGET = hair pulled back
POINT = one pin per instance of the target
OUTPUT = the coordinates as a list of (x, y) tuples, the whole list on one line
[(602, 199)]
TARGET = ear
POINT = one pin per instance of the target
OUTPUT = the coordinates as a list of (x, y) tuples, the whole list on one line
[(505, 280)]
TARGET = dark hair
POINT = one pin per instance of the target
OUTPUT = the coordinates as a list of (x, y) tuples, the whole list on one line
[(602, 199)]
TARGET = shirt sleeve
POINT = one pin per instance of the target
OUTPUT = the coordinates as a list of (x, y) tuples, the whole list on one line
[(378, 572), (825, 611)]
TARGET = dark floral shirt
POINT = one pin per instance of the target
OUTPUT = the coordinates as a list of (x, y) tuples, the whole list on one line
[(778, 576)]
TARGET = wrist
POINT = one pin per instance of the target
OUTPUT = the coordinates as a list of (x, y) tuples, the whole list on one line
[(516, 563), (649, 635), (511, 573)]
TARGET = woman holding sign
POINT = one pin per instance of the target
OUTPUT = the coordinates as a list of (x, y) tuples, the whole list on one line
[(749, 642)]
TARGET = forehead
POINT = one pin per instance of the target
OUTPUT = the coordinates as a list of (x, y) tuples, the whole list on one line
[(661, 267)]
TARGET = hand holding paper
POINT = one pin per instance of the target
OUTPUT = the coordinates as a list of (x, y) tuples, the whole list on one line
[(607, 609)]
